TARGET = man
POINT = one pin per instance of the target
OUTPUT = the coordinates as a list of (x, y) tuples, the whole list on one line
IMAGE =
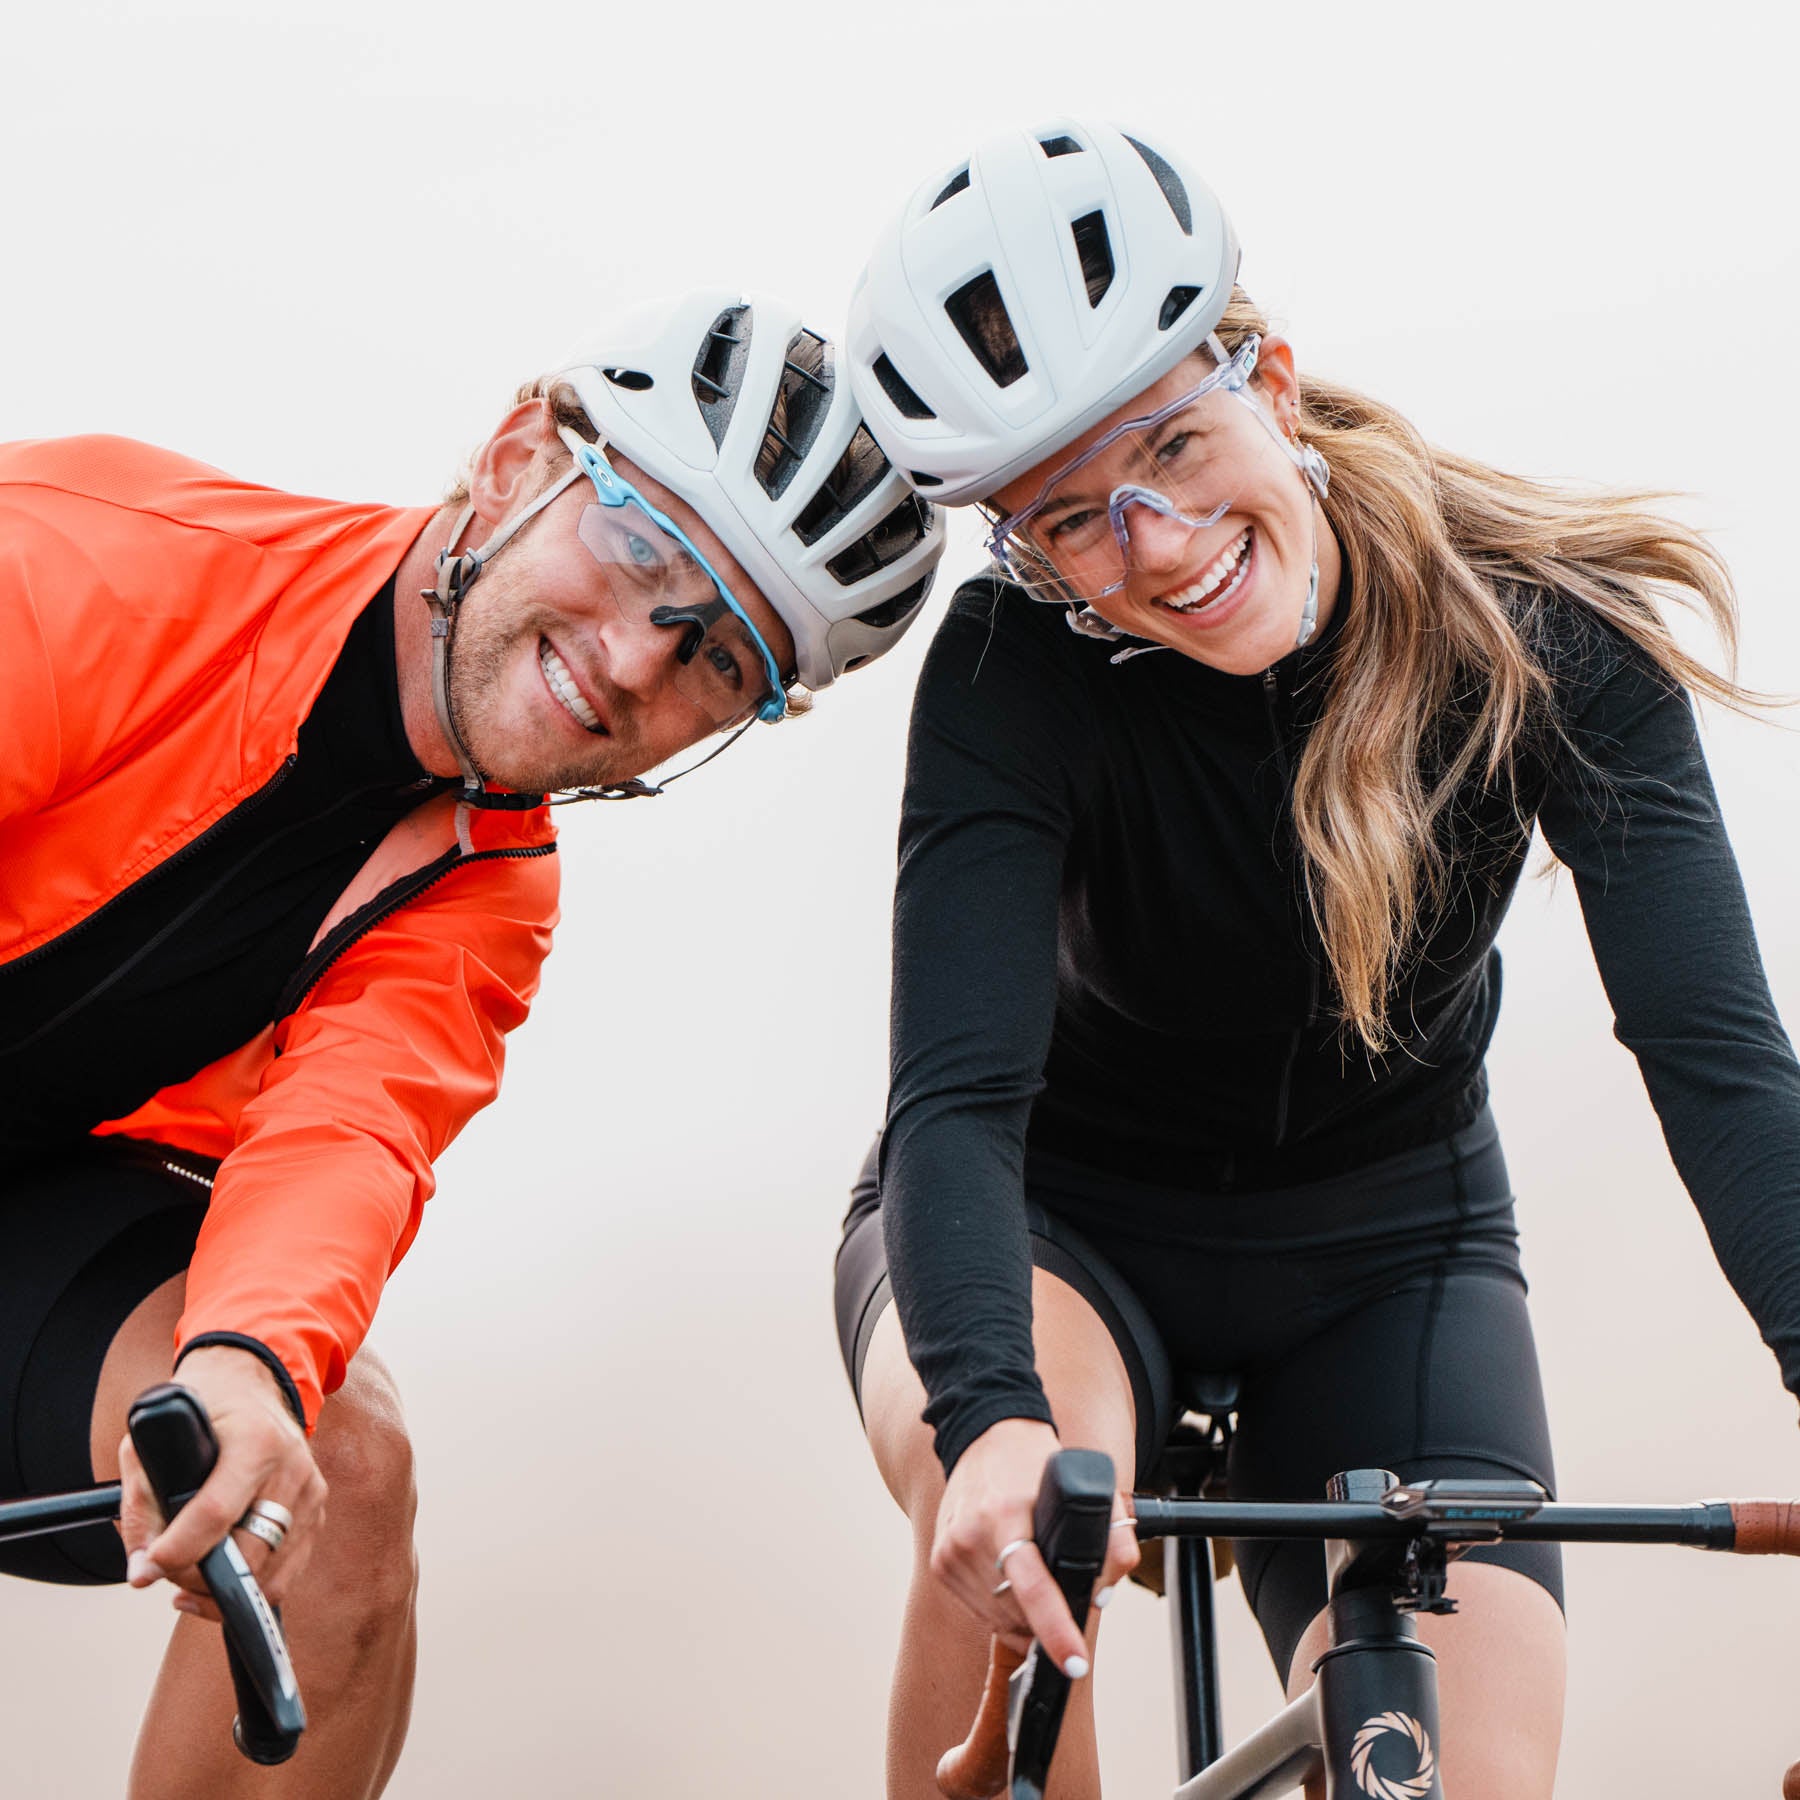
[(276, 876)]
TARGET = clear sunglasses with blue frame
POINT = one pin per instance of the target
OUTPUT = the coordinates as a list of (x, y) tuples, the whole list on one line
[(656, 573)]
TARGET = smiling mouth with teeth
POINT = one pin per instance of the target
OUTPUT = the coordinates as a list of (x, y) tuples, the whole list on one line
[(1219, 582), (562, 684)]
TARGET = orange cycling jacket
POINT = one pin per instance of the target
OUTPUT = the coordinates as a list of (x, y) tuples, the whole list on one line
[(164, 631)]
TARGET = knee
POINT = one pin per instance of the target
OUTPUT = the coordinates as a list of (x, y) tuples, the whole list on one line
[(366, 1457)]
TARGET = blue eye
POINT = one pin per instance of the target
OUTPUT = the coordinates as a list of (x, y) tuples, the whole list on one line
[(725, 665), (640, 550)]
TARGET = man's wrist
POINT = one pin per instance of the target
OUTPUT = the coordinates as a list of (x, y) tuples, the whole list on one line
[(272, 1364)]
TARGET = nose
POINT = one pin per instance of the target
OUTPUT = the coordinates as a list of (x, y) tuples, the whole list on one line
[(640, 657), (1154, 541)]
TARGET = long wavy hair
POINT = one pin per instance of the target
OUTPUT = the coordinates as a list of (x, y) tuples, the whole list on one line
[(1447, 559)]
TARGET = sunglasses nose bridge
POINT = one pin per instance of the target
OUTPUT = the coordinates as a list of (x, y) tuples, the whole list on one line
[(642, 656), (1149, 531)]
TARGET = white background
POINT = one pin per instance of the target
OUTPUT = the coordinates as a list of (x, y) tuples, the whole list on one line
[(319, 246)]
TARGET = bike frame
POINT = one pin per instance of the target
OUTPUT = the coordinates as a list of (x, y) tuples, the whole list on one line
[(1377, 1680), (1369, 1723)]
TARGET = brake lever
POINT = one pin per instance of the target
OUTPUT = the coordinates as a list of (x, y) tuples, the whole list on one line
[(1069, 1526), (175, 1443)]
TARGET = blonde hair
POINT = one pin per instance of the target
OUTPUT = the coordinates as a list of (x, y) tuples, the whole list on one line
[(1452, 564)]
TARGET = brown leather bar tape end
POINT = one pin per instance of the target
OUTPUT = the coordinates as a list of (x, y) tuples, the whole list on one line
[(1766, 1527), (976, 1768)]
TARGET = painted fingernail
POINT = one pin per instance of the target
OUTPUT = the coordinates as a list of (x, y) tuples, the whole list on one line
[(140, 1571), (186, 1603), (1075, 1667), (1103, 1596)]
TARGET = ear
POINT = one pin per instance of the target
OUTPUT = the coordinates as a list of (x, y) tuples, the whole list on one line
[(506, 470), (1279, 383)]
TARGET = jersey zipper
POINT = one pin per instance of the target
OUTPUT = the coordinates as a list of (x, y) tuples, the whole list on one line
[(385, 904), (1271, 695)]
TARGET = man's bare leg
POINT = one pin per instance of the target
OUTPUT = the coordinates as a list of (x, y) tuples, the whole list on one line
[(350, 1620)]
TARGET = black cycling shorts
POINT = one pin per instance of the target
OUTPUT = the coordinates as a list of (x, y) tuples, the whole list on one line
[(1375, 1320), (85, 1235)]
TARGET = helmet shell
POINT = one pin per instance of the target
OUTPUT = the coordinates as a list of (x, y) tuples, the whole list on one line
[(689, 389), (1112, 260)]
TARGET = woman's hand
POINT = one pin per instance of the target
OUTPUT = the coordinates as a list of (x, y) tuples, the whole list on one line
[(263, 1455), (987, 1506)]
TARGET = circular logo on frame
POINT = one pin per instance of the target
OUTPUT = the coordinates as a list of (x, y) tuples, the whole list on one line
[(1393, 1787)]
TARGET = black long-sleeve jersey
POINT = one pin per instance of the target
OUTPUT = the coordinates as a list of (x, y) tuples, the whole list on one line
[(1103, 951)]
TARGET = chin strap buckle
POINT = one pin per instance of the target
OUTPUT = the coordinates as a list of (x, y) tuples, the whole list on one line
[(1085, 622), (455, 576)]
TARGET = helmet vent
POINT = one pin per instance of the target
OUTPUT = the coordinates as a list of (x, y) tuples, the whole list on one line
[(890, 612), (1095, 251), (884, 543), (858, 472), (802, 399), (719, 368), (980, 317), (952, 188), (634, 379), (1174, 190), (919, 478), (1061, 145), (906, 402), (1175, 303)]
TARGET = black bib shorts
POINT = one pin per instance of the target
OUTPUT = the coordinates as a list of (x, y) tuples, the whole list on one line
[(1375, 1320), (86, 1234)]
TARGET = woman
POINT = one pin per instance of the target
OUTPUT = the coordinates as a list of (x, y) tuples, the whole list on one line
[(1194, 968)]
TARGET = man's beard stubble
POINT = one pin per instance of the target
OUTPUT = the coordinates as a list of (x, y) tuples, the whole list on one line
[(482, 645)]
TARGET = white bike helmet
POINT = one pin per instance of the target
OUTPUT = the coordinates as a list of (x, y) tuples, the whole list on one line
[(1025, 294), (731, 402)]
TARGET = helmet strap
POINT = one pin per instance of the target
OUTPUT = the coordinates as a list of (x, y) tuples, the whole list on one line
[(456, 574), (1309, 610), (1315, 471), (637, 788)]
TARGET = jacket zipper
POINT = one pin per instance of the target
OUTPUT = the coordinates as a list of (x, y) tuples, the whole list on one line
[(1271, 694), (193, 848), (361, 922)]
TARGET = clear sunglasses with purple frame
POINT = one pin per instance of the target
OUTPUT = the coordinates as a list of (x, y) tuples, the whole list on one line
[(1007, 540)]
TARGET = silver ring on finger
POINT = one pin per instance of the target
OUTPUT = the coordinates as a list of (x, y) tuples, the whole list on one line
[(1123, 1525), (1005, 1587), (266, 1529), (1005, 1552), (272, 1510)]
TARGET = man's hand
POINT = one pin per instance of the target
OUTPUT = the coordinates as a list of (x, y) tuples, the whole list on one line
[(263, 1455), (988, 1505)]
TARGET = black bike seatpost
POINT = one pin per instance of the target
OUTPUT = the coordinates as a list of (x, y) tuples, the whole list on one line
[(1199, 1717), (174, 1441), (1377, 1683)]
